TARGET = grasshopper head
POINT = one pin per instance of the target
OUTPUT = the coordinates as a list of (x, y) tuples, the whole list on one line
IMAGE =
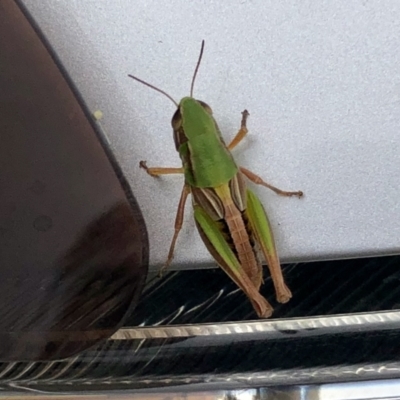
[(191, 111)]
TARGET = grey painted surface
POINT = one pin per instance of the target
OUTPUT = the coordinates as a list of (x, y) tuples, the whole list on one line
[(321, 81)]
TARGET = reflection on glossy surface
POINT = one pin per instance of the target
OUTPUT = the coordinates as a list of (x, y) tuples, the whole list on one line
[(236, 358), (82, 299), (73, 245)]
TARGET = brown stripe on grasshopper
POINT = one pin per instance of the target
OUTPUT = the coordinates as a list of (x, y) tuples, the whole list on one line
[(243, 248)]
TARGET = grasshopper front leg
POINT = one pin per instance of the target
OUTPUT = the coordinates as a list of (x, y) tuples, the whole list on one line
[(157, 171), (242, 131)]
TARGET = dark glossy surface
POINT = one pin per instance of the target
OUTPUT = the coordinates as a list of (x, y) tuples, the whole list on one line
[(198, 333), (319, 288), (73, 244)]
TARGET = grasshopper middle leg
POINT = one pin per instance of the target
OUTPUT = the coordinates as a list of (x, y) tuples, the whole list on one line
[(251, 175), (155, 172), (178, 226)]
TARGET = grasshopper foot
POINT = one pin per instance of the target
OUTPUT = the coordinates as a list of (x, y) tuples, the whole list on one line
[(161, 271), (298, 194), (245, 115), (143, 164), (283, 295), (164, 267)]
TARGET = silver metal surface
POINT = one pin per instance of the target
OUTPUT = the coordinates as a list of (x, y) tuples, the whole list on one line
[(321, 82), (271, 329), (369, 390)]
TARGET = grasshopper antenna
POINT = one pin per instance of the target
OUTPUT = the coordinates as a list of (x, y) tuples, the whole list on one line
[(197, 68), (155, 88)]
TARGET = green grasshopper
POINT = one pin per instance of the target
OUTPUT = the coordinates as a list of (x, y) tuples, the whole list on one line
[(229, 217)]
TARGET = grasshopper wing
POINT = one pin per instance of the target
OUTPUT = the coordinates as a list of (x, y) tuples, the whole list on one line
[(213, 237)]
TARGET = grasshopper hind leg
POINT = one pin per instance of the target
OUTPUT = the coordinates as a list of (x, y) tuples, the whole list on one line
[(261, 229)]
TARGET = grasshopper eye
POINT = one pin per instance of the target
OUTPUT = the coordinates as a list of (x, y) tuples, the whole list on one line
[(176, 121), (205, 106)]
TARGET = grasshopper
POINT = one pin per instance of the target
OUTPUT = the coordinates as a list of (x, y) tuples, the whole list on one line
[(230, 218)]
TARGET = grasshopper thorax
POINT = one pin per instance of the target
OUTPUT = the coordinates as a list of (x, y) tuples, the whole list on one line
[(188, 104), (190, 113), (206, 160)]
